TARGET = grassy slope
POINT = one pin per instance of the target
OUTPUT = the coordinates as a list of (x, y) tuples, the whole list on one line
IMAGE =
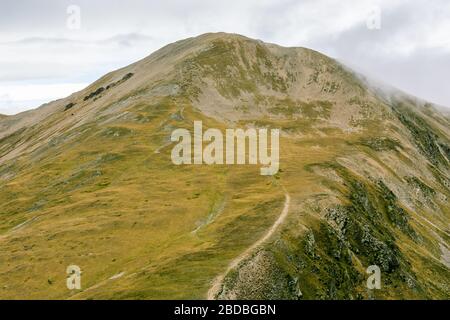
[(97, 195), (110, 204)]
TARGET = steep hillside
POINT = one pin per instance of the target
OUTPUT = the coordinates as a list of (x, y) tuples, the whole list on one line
[(88, 180)]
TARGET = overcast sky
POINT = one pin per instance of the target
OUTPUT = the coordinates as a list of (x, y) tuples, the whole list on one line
[(48, 50)]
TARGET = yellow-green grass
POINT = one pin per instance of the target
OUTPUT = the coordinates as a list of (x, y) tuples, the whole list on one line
[(109, 204)]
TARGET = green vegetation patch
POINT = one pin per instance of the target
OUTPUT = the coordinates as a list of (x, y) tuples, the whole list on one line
[(228, 65), (329, 261), (381, 143), (417, 183), (424, 137)]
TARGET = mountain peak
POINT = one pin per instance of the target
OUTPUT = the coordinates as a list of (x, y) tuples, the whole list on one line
[(362, 182)]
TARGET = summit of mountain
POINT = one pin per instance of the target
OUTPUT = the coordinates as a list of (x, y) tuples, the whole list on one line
[(88, 180)]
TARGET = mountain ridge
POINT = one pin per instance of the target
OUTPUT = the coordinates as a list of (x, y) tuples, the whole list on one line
[(88, 180), (204, 38)]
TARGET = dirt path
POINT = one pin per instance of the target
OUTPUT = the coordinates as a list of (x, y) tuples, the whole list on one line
[(217, 283)]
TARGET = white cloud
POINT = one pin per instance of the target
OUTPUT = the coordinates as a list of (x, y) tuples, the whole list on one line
[(39, 91), (17, 98)]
